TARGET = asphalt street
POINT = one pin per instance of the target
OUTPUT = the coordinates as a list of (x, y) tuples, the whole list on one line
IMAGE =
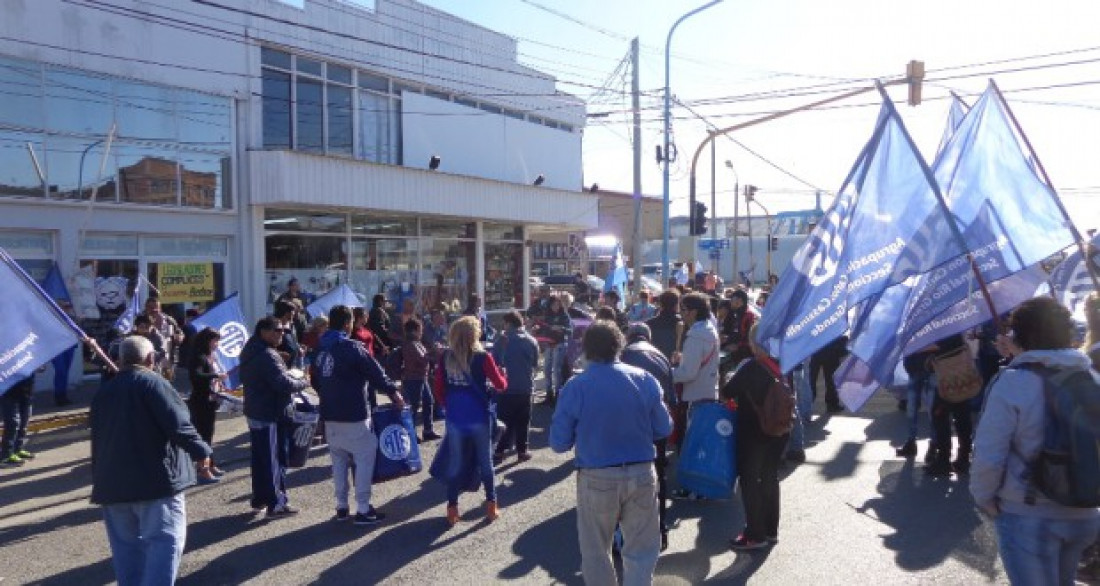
[(853, 513)]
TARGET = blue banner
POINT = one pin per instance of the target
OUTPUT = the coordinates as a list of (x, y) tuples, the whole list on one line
[(228, 320), (1070, 281), (885, 226), (1010, 222), (32, 328), (125, 322)]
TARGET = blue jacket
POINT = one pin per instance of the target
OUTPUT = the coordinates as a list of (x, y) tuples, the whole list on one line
[(143, 444), (518, 353), (647, 357), (343, 374), (610, 414), (268, 387)]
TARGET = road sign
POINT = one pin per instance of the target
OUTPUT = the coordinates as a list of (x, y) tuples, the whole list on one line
[(713, 243), (715, 253)]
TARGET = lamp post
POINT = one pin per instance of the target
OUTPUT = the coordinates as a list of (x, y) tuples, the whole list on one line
[(80, 172), (736, 217), (668, 130)]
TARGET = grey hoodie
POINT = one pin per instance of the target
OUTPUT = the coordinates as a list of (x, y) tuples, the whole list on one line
[(1010, 437), (698, 369)]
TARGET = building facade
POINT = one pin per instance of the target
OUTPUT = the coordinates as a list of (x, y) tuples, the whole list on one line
[(394, 147)]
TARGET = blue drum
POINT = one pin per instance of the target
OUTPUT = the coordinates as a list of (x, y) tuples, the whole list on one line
[(398, 452)]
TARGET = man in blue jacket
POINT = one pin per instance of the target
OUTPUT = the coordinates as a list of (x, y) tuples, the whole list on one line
[(268, 407), (343, 373), (518, 353), (143, 446), (610, 415)]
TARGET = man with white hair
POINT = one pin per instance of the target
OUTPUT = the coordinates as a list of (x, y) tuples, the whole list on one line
[(143, 446)]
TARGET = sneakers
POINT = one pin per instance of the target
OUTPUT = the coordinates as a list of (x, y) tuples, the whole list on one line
[(909, 450), (743, 543), (279, 512), (431, 436), (492, 511), (24, 455), (12, 461), (342, 515), (371, 517), (452, 514)]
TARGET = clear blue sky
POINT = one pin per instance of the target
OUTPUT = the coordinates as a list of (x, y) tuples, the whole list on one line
[(742, 47)]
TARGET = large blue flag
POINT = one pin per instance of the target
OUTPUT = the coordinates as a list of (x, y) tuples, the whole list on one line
[(54, 285), (616, 275), (1010, 222), (32, 328), (1070, 282), (125, 322), (228, 320), (885, 225)]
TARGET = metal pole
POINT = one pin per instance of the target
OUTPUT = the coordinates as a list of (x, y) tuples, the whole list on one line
[(80, 172), (713, 209), (668, 131), (752, 253), (635, 87)]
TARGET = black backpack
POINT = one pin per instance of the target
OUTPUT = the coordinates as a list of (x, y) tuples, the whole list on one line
[(1067, 470)]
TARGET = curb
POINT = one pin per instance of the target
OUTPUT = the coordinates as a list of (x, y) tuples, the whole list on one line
[(59, 421)]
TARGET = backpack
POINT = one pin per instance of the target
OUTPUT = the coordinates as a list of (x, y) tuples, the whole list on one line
[(1067, 470), (776, 414)]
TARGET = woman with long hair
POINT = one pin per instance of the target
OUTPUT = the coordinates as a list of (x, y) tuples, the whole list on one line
[(206, 379), (460, 385)]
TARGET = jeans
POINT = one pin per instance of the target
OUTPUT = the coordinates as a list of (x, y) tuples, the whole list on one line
[(352, 443), (61, 365), (477, 438), (416, 393), (758, 460), (514, 410), (147, 540), (553, 361), (623, 495), (270, 443), (826, 364), (943, 413), (1036, 550), (919, 392), (804, 402), (16, 408)]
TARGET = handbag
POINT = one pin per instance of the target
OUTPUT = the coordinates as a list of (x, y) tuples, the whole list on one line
[(957, 377)]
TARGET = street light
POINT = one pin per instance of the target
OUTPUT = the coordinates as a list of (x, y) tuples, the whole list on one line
[(80, 173), (668, 129)]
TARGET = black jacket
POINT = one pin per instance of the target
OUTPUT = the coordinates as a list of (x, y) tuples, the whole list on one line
[(663, 329), (748, 386), (647, 357), (143, 443), (267, 386)]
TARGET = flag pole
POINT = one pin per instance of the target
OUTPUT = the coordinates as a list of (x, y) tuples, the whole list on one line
[(57, 311), (1057, 200), (956, 233)]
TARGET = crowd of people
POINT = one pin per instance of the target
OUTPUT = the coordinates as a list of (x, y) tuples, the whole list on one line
[(646, 368)]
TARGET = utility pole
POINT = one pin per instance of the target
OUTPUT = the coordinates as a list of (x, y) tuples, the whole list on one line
[(713, 209), (635, 101), (749, 190)]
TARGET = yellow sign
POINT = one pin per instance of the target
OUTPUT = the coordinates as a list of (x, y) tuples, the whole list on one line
[(185, 281)]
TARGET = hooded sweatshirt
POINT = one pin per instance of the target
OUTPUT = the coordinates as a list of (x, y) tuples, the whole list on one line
[(698, 369), (1010, 436), (344, 374)]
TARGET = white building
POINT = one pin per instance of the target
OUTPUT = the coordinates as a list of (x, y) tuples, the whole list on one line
[(251, 141)]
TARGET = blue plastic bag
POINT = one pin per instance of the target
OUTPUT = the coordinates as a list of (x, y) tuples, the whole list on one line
[(708, 460), (398, 452)]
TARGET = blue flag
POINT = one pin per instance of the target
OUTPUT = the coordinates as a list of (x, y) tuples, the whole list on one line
[(32, 328), (1070, 281), (616, 275), (125, 322), (885, 225), (341, 295), (1010, 222), (54, 285), (228, 320)]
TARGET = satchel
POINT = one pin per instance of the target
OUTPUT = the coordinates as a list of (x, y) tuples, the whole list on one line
[(957, 377)]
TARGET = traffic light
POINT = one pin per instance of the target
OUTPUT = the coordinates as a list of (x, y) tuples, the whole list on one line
[(699, 219), (773, 243)]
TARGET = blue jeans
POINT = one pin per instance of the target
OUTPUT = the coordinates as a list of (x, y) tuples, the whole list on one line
[(1036, 550), (553, 360), (461, 440), (416, 393), (16, 410), (804, 401), (147, 539), (919, 393)]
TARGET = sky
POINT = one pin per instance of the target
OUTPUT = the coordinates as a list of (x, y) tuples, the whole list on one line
[(742, 59)]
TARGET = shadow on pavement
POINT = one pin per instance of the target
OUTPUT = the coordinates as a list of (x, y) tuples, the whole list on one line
[(542, 547), (378, 559), (923, 541)]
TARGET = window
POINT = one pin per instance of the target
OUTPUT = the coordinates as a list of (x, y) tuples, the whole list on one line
[(340, 121), (276, 109), (17, 172), (379, 128), (310, 115)]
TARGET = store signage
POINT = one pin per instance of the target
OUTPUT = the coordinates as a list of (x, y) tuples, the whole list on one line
[(185, 282)]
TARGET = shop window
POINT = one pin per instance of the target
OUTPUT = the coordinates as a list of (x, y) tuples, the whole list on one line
[(382, 225), (302, 221), (503, 276), (101, 289), (446, 274), (318, 262), (386, 266)]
